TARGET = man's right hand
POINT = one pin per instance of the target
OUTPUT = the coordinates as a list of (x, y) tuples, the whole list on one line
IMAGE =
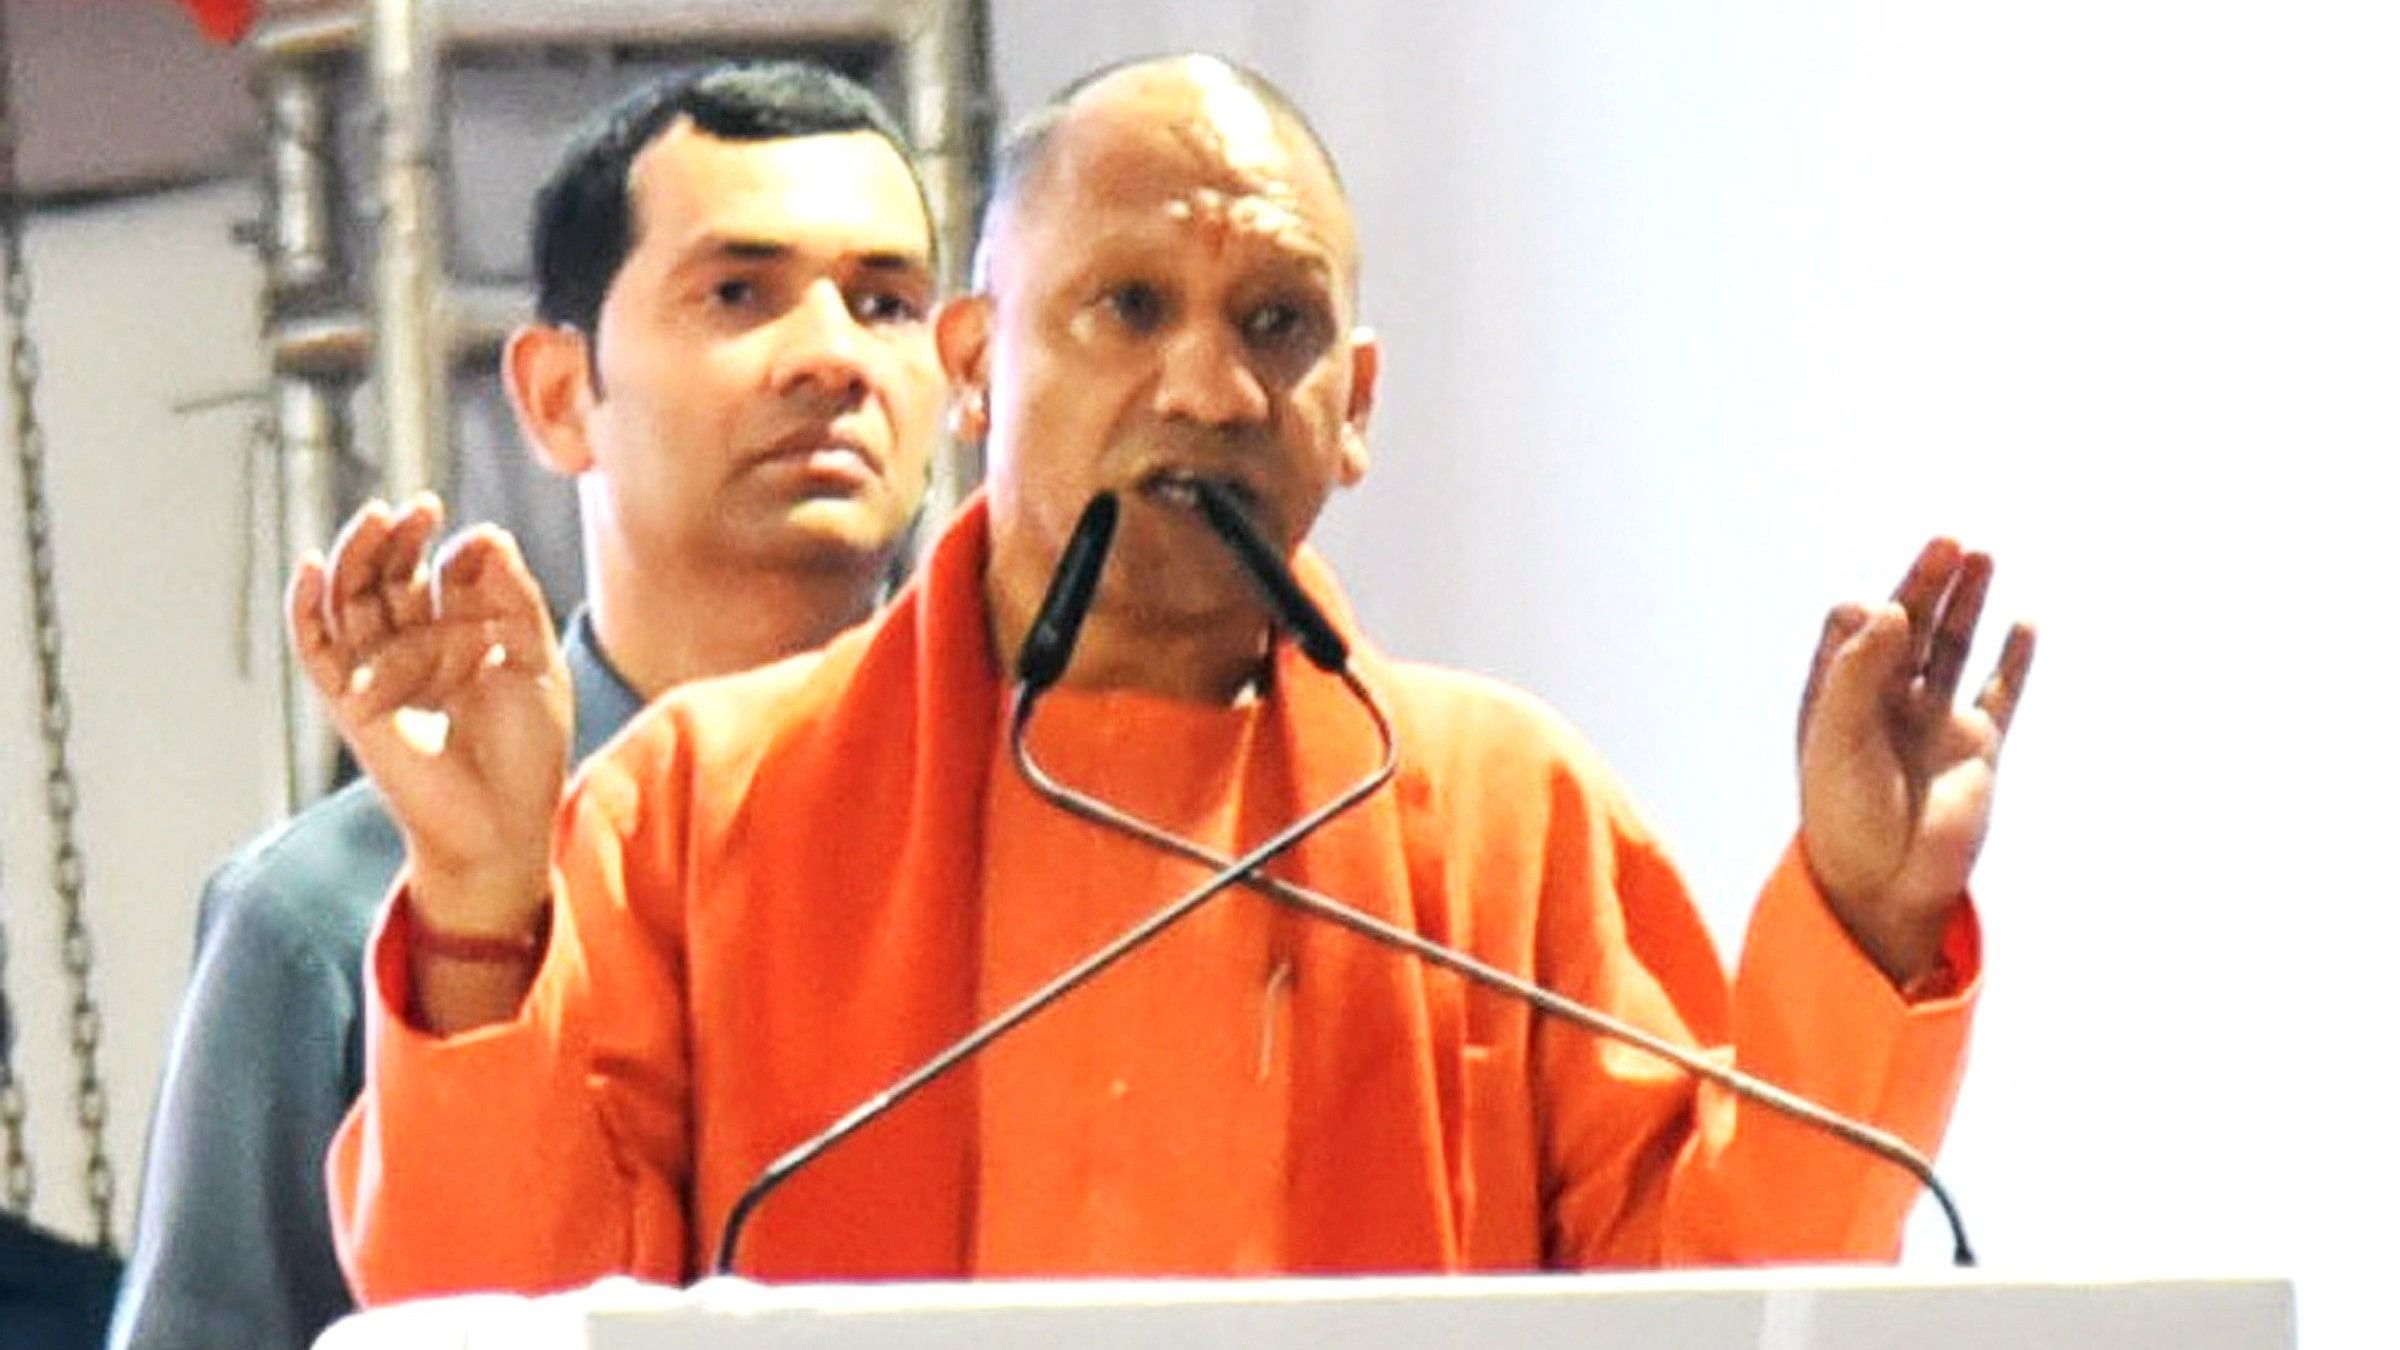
[(390, 633)]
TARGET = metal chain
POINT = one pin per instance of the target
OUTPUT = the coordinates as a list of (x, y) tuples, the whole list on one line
[(19, 1178), (59, 796), (19, 1193)]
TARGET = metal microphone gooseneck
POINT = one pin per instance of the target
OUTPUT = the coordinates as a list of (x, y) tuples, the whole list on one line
[(1301, 615), (1039, 665)]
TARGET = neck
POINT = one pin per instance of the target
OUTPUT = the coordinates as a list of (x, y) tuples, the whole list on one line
[(1200, 660), (661, 626)]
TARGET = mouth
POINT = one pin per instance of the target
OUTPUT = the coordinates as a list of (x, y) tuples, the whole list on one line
[(822, 451), (1179, 488)]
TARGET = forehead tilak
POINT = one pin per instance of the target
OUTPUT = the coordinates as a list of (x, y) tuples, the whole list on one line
[(1191, 147), (1221, 167)]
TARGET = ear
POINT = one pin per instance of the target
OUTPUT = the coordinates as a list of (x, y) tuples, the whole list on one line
[(962, 335), (548, 371), (1366, 363)]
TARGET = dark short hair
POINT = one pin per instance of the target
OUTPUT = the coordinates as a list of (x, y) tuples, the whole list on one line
[(583, 215)]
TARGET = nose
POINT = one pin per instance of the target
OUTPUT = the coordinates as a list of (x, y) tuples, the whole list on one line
[(817, 349), (1205, 377)]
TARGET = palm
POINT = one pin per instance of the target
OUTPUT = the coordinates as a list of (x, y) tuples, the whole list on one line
[(1896, 782), (391, 643), (497, 773)]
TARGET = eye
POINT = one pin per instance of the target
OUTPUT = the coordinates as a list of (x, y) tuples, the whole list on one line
[(1138, 305), (1277, 323), (733, 293), (887, 306)]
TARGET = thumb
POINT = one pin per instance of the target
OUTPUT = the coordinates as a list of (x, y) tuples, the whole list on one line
[(1858, 676), (1841, 622)]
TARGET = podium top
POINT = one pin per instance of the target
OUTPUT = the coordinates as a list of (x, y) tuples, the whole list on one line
[(1795, 1308)]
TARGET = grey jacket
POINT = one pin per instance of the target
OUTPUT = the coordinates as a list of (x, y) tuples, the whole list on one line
[(233, 1246)]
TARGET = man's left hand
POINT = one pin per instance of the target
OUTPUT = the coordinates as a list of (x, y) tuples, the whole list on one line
[(1896, 781)]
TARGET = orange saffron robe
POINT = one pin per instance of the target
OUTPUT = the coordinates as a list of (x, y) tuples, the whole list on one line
[(780, 891)]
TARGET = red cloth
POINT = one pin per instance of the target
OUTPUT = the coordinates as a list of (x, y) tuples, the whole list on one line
[(223, 20), (782, 889)]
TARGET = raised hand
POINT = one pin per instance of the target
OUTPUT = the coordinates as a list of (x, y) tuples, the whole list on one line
[(1895, 779), (446, 680)]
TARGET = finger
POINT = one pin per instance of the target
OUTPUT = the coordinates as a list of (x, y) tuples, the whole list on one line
[(404, 586), (458, 569), (1954, 631), (1841, 623), (482, 577), (482, 574), (1861, 678), (2000, 693), (422, 665), (353, 570), (321, 657), (425, 667), (1920, 592)]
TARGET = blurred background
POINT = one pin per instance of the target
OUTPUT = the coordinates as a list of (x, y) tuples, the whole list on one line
[(1697, 318)]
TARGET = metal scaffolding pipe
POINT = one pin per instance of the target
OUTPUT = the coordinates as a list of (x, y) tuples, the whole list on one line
[(300, 242), (412, 354), (297, 30), (309, 432), (526, 22), (948, 113)]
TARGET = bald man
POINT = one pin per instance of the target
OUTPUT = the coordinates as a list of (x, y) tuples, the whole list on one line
[(781, 891)]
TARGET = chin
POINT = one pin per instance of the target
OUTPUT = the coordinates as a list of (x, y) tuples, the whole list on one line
[(1183, 587), (819, 536)]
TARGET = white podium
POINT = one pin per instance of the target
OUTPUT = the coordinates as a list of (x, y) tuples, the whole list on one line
[(1815, 1308)]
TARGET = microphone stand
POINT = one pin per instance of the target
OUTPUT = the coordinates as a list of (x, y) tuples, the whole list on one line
[(1881, 1143), (1040, 665), (1301, 615), (1027, 695)]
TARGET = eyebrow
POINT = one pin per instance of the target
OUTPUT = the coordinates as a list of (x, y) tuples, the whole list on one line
[(1314, 265), (895, 262), (739, 248), (1315, 258)]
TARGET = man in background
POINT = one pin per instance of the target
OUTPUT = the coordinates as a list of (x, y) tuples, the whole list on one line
[(733, 359)]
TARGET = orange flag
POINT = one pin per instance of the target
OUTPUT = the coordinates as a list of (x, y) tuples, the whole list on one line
[(223, 20)]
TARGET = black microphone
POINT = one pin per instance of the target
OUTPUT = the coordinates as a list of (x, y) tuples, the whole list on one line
[(1299, 613), (1051, 640), (1291, 605), (1055, 629)]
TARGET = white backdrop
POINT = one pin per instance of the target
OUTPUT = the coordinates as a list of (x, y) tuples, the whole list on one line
[(1699, 316), (139, 307)]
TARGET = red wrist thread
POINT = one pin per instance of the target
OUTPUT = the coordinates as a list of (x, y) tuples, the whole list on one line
[(1939, 982), (490, 949)]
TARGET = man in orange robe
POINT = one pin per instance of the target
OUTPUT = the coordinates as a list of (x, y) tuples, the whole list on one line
[(781, 890)]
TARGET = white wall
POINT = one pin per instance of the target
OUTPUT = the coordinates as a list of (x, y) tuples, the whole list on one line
[(137, 307), (1699, 317)]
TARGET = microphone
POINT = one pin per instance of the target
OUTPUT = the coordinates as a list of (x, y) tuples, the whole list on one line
[(1055, 628), (1056, 624), (1276, 585), (1305, 619)]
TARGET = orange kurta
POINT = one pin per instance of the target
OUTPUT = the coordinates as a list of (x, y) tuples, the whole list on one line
[(782, 890)]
